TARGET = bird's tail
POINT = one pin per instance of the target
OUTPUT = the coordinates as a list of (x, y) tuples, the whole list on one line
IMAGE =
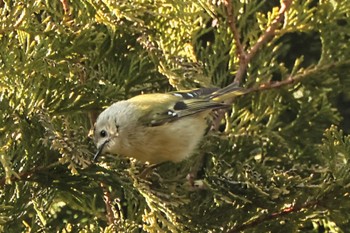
[(229, 92)]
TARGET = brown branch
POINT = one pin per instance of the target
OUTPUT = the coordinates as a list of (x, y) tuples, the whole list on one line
[(65, 6), (245, 57), (272, 85), (269, 217), (270, 31), (297, 77)]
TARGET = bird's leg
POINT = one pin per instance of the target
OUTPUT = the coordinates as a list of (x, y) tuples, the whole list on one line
[(192, 176)]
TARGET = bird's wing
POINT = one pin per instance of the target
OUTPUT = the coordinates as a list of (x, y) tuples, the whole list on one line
[(160, 109), (180, 110)]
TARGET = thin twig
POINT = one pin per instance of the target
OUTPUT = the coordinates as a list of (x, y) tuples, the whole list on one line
[(297, 77), (270, 31), (245, 57), (65, 6)]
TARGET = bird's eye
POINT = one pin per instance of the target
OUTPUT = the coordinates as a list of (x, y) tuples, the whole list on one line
[(103, 133)]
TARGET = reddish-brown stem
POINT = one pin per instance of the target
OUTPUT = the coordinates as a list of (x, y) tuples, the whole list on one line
[(232, 24), (270, 31), (65, 6), (243, 56), (297, 77), (108, 203), (268, 217)]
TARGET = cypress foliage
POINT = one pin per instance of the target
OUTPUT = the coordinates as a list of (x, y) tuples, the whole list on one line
[(280, 161)]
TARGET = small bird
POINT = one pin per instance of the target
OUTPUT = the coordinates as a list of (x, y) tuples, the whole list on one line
[(157, 127)]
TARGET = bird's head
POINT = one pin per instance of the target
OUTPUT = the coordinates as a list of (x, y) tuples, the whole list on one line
[(109, 128)]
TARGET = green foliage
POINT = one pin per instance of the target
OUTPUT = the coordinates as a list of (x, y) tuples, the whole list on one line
[(281, 163)]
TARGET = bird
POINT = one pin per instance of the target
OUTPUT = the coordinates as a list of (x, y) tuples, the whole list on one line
[(159, 127)]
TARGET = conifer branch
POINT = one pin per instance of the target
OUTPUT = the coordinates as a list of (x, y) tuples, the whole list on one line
[(278, 84), (125, 43), (298, 77)]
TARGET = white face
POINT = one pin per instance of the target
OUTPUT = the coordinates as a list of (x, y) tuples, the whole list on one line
[(106, 133), (110, 125)]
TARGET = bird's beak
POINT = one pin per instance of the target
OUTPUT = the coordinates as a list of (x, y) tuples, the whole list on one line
[(99, 150)]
